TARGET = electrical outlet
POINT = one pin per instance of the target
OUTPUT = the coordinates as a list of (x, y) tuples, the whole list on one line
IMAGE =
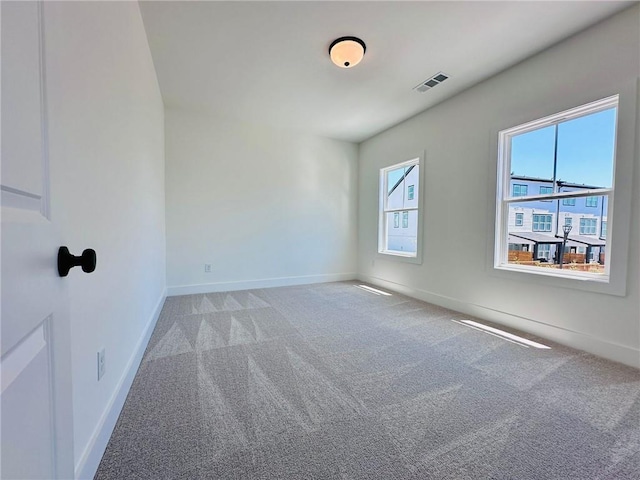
[(101, 364), (207, 268)]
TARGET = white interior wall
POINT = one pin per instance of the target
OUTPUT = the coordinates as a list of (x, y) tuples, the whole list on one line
[(459, 137), (264, 207), (106, 147)]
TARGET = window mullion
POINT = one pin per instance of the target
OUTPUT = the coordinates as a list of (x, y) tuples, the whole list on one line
[(404, 209), (555, 196)]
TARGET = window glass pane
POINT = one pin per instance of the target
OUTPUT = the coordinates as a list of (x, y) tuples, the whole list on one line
[(403, 239), (395, 188), (586, 149), (532, 153), (398, 228), (584, 220), (401, 187), (412, 178)]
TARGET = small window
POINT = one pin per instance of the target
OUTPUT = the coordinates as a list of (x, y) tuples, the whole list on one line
[(399, 198), (603, 230), (592, 201), (588, 226), (569, 156), (546, 191), (541, 223), (520, 190), (519, 219)]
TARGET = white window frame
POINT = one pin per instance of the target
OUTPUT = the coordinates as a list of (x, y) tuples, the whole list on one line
[(383, 251), (504, 195), (519, 219)]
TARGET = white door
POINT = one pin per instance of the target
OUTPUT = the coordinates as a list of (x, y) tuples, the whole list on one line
[(35, 348)]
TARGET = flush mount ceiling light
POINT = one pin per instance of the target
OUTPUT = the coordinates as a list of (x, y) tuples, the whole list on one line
[(346, 52)]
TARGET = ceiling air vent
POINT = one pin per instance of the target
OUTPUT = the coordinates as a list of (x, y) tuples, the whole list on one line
[(429, 83)]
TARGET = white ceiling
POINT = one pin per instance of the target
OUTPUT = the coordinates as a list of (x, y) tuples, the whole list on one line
[(267, 62)]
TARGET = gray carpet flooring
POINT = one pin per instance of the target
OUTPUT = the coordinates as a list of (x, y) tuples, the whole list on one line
[(331, 381)]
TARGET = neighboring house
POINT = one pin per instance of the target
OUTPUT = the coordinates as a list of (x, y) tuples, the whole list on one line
[(536, 226), (403, 227)]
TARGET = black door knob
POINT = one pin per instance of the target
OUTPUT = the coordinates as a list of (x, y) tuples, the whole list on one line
[(66, 261)]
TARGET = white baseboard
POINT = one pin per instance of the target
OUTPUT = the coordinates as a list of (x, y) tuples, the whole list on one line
[(596, 346), (90, 459), (263, 283)]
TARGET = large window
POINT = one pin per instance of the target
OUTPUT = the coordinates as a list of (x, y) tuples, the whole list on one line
[(400, 195), (542, 223), (588, 226), (573, 152)]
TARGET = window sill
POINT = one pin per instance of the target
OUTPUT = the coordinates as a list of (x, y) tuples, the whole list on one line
[(602, 283), (556, 272), (399, 256)]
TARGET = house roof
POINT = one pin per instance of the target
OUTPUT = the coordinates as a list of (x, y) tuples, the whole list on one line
[(591, 241), (520, 240), (536, 237)]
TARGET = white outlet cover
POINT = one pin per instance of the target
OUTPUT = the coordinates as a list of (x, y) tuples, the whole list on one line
[(101, 364)]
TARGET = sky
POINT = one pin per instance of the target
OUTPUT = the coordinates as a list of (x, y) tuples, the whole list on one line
[(585, 150), (394, 176)]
